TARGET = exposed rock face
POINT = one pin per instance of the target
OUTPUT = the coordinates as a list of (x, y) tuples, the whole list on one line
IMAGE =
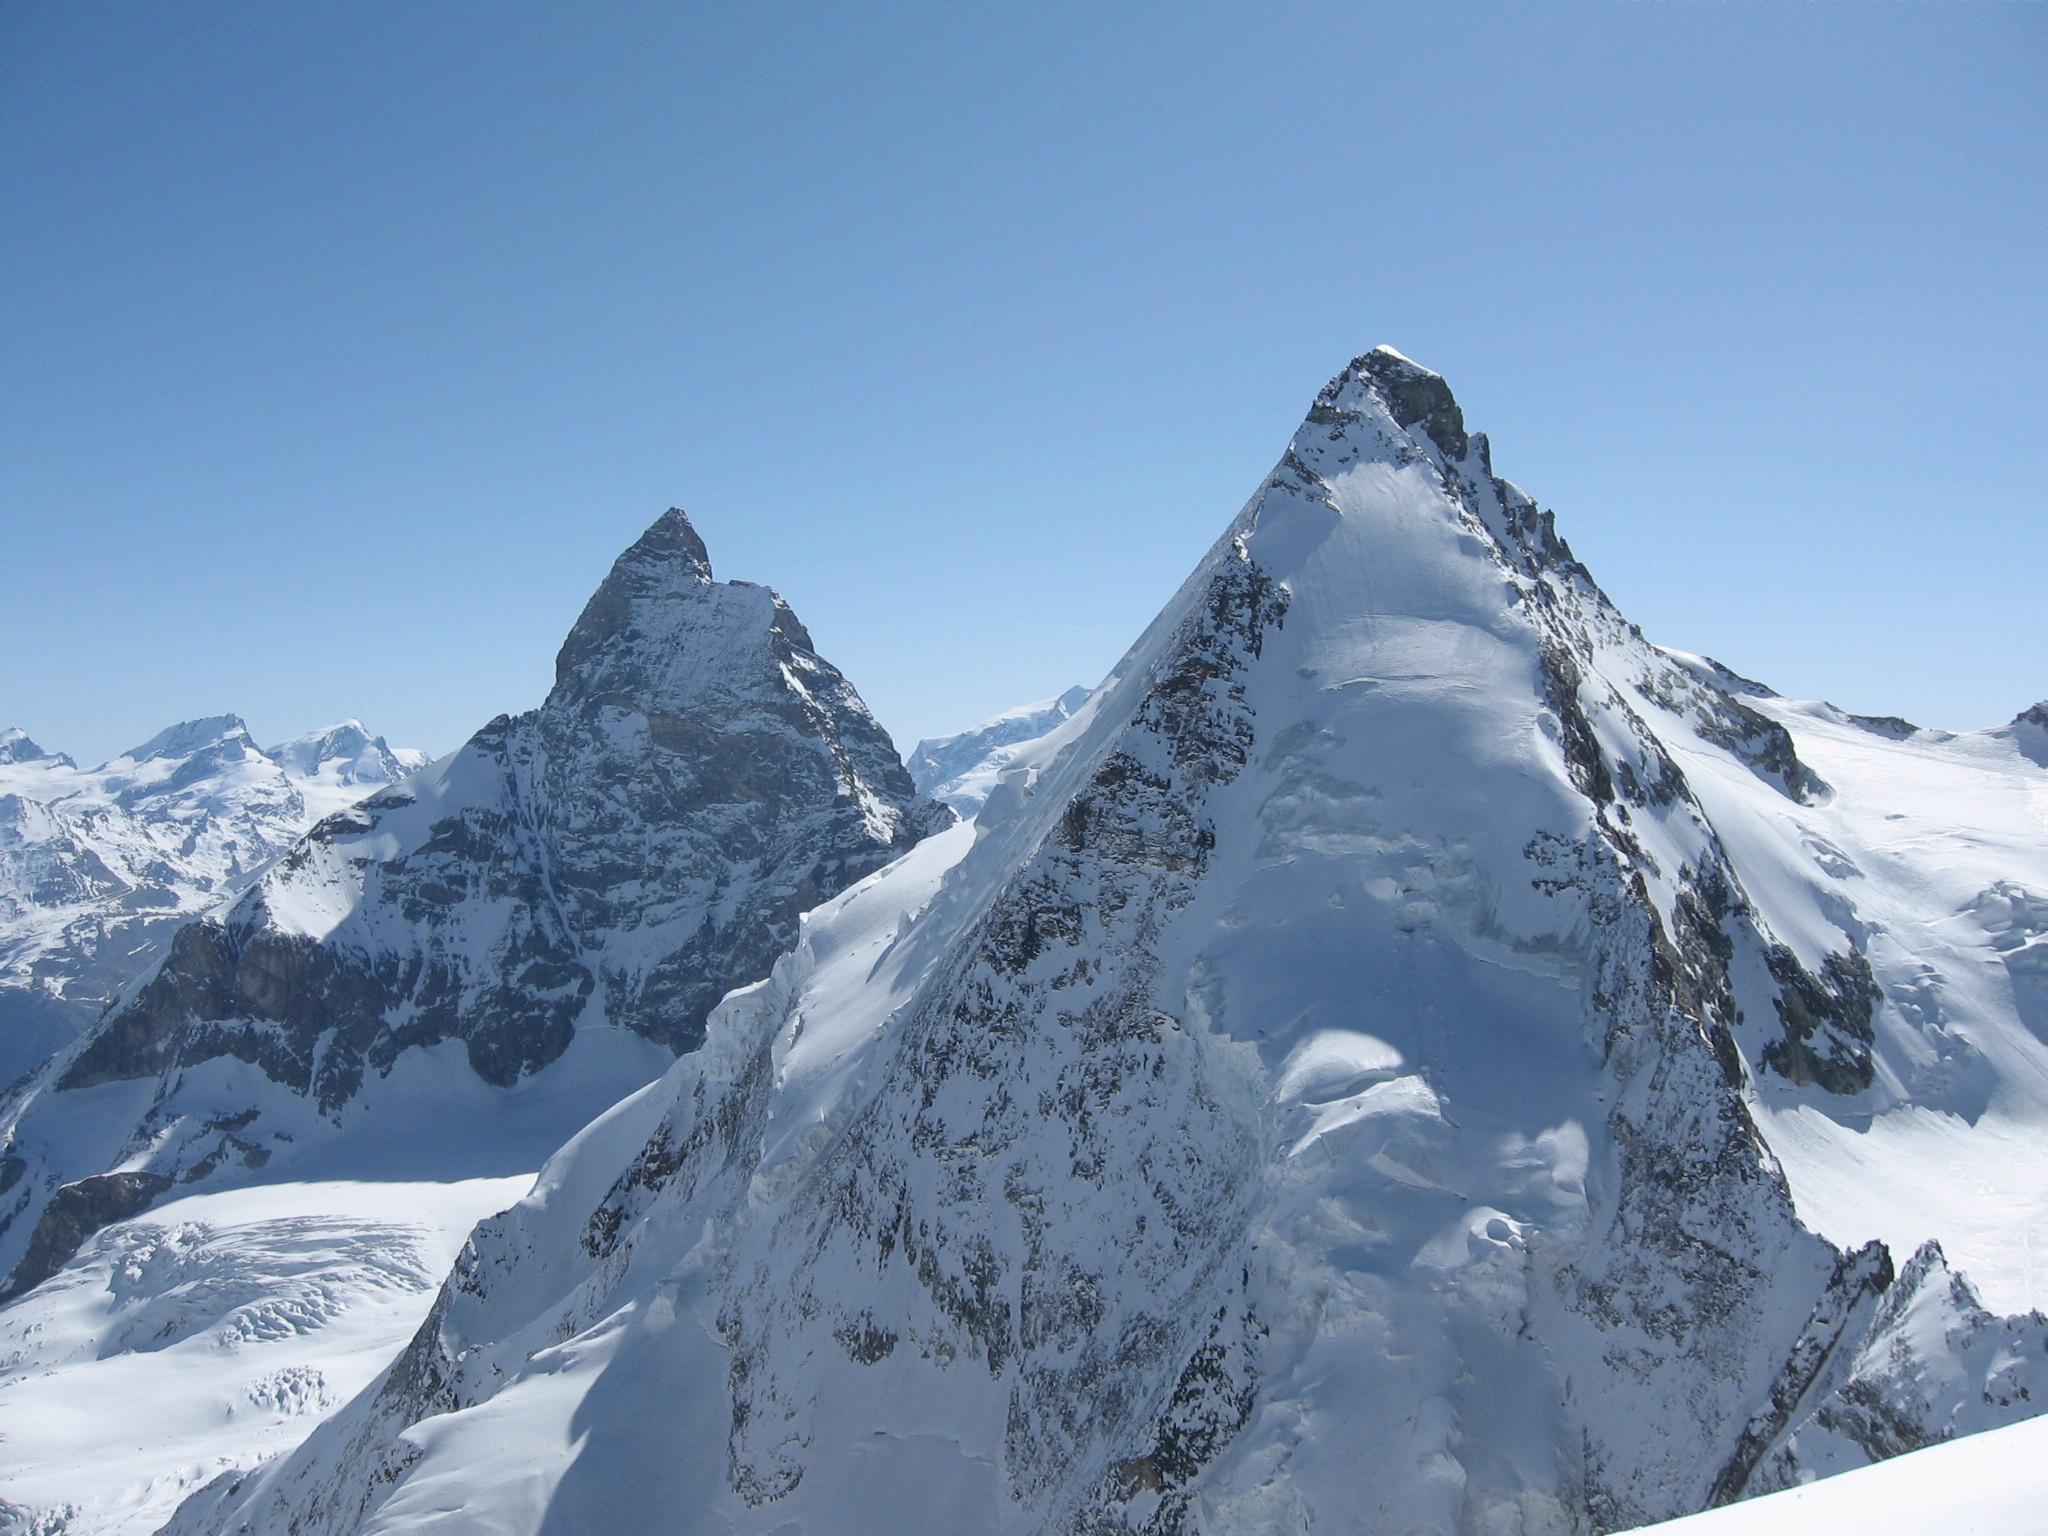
[(616, 860), (1371, 1069), (74, 1213), (99, 867), (2029, 732)]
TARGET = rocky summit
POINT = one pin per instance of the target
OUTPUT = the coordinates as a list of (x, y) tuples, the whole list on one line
[(451, 975), (1408, 1055)]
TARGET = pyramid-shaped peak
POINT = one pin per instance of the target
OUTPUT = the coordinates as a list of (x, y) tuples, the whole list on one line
[(667, 561), (1410, 393), (670, 540)]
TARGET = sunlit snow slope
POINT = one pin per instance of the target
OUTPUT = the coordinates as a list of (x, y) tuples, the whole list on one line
[(961, 769), (1983, 1485), (210, 1334), (1409, 1055)]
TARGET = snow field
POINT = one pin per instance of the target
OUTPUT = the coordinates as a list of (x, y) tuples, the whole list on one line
[(1989, 1484), (212, 1333)]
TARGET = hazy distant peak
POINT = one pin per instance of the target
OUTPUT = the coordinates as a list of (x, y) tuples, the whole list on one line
[(17, 747), (190, 736)]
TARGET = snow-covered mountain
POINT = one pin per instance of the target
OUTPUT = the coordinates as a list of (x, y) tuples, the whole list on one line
[(961, 769), (98, 866), (1407, 1055), (428, 993)]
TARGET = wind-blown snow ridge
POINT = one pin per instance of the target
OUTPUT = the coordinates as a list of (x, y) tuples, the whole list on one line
[(961, 769), (1406, 1055)]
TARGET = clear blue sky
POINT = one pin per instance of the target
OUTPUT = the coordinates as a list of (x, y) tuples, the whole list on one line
[(343, 345)]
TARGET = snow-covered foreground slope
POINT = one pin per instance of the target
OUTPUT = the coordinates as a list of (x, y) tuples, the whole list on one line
[(961, 769), (1408, 1055), (98, 866), (436, 987), (1993, 1484)]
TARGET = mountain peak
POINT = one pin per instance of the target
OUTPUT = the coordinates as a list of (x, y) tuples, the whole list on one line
[(666, 562), (189, 736), (16, 746), (1410, 393), (345, 752)]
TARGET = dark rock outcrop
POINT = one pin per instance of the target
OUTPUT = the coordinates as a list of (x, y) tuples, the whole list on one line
[(74, 1213)]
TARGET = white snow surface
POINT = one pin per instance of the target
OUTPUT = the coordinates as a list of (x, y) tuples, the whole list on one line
[(1934, 857), (1990, 1484), (209, 1334), (99, 865), (961, 769), (215, 1330), (1405, 1055)]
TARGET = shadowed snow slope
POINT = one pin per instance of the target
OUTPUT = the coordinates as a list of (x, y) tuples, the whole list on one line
[(441, 984), (99, 866), (1408, 1055)]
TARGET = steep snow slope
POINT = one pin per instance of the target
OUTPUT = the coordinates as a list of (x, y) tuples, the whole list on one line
[(1985, 1485), (1408, 1055), (961, 769), (441, 984), (99, 866)]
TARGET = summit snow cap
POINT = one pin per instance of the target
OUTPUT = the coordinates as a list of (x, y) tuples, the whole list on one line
[(345, 754), (191, 736)]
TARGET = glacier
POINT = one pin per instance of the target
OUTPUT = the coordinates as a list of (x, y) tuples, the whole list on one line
[(1408, 1055)]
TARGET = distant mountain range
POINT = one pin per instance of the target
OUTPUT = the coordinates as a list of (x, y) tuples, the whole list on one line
[(961, 769), (98, 866)]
